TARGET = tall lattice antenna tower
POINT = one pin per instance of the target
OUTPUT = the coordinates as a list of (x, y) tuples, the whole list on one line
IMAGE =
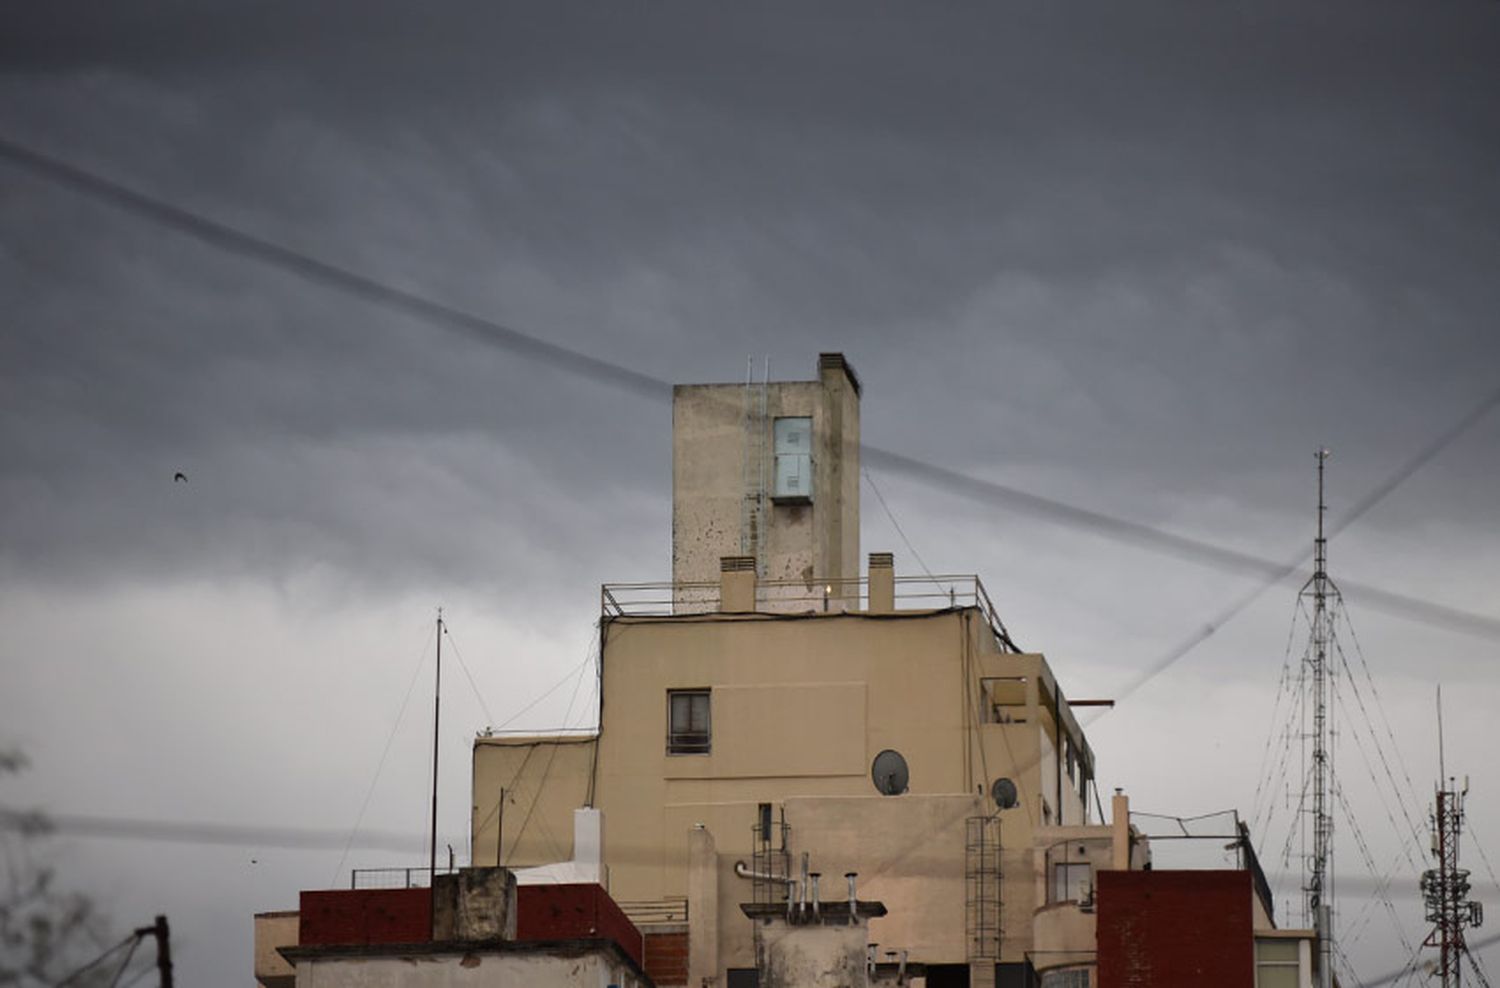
[(1445, 889), (1317, 888)]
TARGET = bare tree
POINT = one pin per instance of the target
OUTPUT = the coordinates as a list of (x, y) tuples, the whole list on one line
[(48, 936)]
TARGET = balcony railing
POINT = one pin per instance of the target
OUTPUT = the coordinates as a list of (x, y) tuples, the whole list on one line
[(918, 593), (652, 912)]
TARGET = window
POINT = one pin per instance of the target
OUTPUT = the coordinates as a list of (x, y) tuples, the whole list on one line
[(793, 440), (1076, 977), (1071, 881), (687, 722), (1278, 963)]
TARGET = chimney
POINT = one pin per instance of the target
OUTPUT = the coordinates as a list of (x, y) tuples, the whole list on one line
[(1120, 826), (737, 584), (833, 366), (882, 583)]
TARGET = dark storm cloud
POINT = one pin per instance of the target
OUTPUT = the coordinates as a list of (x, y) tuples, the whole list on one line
[(1141, 257), (1124, 234)]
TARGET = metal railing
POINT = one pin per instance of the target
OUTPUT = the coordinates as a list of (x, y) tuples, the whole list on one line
[(918, 593), (1209, 842), (391, 878), (653, 912)]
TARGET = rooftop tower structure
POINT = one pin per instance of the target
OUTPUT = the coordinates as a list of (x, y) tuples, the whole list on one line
[(769, 472)]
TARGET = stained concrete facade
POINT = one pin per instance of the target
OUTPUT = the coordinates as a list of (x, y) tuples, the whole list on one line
[(806, 671), (724, 441), (564, 964), (800, 707)]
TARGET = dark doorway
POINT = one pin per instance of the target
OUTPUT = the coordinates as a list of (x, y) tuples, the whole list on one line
[(947, 976)]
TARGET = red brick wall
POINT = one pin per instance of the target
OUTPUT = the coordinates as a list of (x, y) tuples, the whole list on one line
[(563, 912), (351, 916), (1175, 929), (667, 958)]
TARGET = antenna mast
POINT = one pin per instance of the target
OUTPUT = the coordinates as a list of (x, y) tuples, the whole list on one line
[(437, 700), (1317, 891), (1445, 889)]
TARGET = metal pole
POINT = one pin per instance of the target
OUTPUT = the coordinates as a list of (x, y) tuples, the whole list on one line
[(437, 699), (163, 951), (500, 830)]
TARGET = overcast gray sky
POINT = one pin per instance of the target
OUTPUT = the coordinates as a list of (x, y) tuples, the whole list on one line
[(1142, 258)]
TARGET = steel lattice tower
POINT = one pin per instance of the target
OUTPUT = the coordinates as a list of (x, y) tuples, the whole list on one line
[(1317, 891)]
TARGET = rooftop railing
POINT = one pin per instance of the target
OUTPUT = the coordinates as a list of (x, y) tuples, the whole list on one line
[(1210, 842), (393, 878), (913, 593)]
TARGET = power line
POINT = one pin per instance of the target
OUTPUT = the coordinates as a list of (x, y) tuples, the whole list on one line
[(586, 365), (384, 753), (489, 718), (884, 506), (129, 941)]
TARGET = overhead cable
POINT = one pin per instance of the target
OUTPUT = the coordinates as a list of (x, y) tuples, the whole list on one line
[(580, 363)]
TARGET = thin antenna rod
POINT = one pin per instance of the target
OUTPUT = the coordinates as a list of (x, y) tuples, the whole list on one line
[(1442, 769), (437, 700)]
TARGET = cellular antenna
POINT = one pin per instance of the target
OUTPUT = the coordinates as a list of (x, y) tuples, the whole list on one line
[(1445, 889)]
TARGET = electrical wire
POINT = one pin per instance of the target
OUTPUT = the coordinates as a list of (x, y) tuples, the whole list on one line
[(899, 530), (114, 982), (567, 678), (1382, 883), (1263, 773), (579, 363), (458, 654), (129, 941), (542, 782), (384, 752)]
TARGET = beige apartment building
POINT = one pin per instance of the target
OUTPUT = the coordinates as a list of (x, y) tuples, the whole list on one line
[(771, 706)]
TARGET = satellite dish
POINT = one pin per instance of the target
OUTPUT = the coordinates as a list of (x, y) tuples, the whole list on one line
[(889, 773), (1004, 793)]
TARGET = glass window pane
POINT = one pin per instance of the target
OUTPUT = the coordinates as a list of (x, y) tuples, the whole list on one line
[(1272, 976), (1276, 950)]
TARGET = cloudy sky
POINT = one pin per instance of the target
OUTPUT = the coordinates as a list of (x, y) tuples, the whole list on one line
[(1138, 258)]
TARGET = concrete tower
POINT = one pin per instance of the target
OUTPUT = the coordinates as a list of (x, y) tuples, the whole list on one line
[(768, 473)]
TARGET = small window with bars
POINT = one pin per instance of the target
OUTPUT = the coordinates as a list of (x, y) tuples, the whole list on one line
[(688, 725)]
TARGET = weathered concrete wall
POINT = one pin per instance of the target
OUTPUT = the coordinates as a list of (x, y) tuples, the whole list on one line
[(813, 956), (477, 969), (476, 904), (814, 543)]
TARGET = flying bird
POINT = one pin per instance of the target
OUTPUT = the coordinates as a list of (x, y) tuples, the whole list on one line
[(179, 478)]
